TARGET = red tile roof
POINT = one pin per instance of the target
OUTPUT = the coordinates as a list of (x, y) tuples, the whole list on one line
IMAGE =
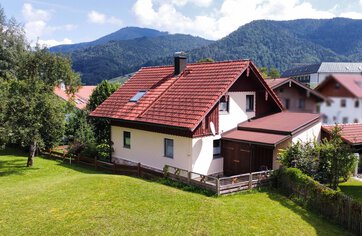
[(281, 123), (255, 137), (273, 83), (351, 133), (81, 97), (180, 101), (352, 83)]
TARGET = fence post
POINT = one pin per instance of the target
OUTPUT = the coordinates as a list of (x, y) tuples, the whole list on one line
[(189, 176), (250, 180), (218, 187), (95, 162), (139, 169)]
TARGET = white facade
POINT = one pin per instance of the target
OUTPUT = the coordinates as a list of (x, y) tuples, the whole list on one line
[(334, 112), (237, 111), (309, 135), (193, 154)]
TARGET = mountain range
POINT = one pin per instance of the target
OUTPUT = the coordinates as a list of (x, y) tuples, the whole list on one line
[(279, 44)]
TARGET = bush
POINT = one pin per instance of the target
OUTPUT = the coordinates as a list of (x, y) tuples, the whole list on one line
[(103, 151)]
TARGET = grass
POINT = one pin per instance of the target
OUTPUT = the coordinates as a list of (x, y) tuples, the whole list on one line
[(352, 188), (53, 198)]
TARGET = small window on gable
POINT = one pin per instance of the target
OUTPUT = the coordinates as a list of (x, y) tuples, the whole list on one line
[(356, 103), (355, 120), (343, 103), (249, 102), (301, 103), (224, 104), (287, 103), (337, 85), (138, 96), (345, 120)]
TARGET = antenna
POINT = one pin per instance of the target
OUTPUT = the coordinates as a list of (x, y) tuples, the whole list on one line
[(212, 128)]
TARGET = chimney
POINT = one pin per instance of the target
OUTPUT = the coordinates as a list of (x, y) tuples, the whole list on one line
[(180, 62)]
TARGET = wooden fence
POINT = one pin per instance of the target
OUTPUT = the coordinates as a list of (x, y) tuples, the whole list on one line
[(126, 168), (223, 185)]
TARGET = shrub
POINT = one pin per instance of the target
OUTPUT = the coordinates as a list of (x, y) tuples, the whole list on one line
[(103, 151)]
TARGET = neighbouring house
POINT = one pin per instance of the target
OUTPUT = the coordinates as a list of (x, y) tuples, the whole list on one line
[(295, 95), (345, 94), (180, 116), (80, 98), (314, 74)]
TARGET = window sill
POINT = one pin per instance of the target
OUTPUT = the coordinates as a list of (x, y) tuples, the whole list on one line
[(215, 157), (128, 147), (168, 157), (223, 113)]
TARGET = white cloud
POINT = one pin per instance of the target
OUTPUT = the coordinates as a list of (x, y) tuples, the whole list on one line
[(37, 27), (96, 17), (165, 15), (353, 15), (100, 18), (53, 42)]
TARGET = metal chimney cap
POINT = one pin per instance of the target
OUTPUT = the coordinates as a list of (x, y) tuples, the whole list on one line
[(180, 54)]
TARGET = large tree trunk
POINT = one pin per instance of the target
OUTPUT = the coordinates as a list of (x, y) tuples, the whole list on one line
[(32, 150)]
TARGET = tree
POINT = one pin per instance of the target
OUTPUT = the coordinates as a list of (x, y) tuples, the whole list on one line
[(274, 73), (336, 159), (207, 59), (101, 126), (34, 117), (264, 71)]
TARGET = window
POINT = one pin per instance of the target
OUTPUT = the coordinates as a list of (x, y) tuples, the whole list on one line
[(249, 102), (345, 120), (138, 96), (356, 103), (343, 103), (224, 104), (328, 103), (325, 119), (286, 103), (281, 90), (126, 139), (301, 103), (355, 120), (337, 85), (168, 148), (217, 148)]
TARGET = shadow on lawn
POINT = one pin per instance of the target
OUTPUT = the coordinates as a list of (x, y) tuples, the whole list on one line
[(316, 221), (14, 167), (354, 191)]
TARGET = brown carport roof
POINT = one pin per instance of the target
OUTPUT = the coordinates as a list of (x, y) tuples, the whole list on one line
[(350, 133), (281, 123), (273, 129), (255, 137)]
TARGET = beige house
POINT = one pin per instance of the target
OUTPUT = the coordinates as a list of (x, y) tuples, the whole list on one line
[(178, 115)]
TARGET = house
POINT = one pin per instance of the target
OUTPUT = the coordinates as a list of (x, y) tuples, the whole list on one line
[(178, 115), (314, 74), (80, 98), (345, 93), (295, 95)]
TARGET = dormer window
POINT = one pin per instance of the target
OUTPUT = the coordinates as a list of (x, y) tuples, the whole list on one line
[(138, 96), (224, 104)]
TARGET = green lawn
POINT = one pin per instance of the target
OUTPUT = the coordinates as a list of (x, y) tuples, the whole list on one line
[(52, 198), (352, 188)]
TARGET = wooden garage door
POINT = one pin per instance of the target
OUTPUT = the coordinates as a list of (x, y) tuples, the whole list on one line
[(237, 157)]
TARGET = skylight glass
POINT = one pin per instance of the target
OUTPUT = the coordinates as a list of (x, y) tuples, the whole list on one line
[(138, 96)]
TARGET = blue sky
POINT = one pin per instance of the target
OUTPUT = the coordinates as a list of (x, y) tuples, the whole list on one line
[(58, 22)]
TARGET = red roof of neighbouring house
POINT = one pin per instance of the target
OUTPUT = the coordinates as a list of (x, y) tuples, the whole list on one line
[(180, 101), (352, 83), (272, 129), (255, 137), (281, 123), (351, 133), (276, 83), (81, 97)]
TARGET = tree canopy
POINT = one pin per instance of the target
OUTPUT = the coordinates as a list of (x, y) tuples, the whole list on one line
[(31, 115)]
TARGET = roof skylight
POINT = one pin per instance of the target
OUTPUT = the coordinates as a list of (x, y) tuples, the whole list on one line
[(138, 96)]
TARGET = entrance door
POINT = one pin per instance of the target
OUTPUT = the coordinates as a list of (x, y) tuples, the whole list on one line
[(237, 157)]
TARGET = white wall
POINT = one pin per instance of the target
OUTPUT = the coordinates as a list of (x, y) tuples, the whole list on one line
[(335, 112), (313, 132), (148, 148), (202, 156), (237, 106)]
